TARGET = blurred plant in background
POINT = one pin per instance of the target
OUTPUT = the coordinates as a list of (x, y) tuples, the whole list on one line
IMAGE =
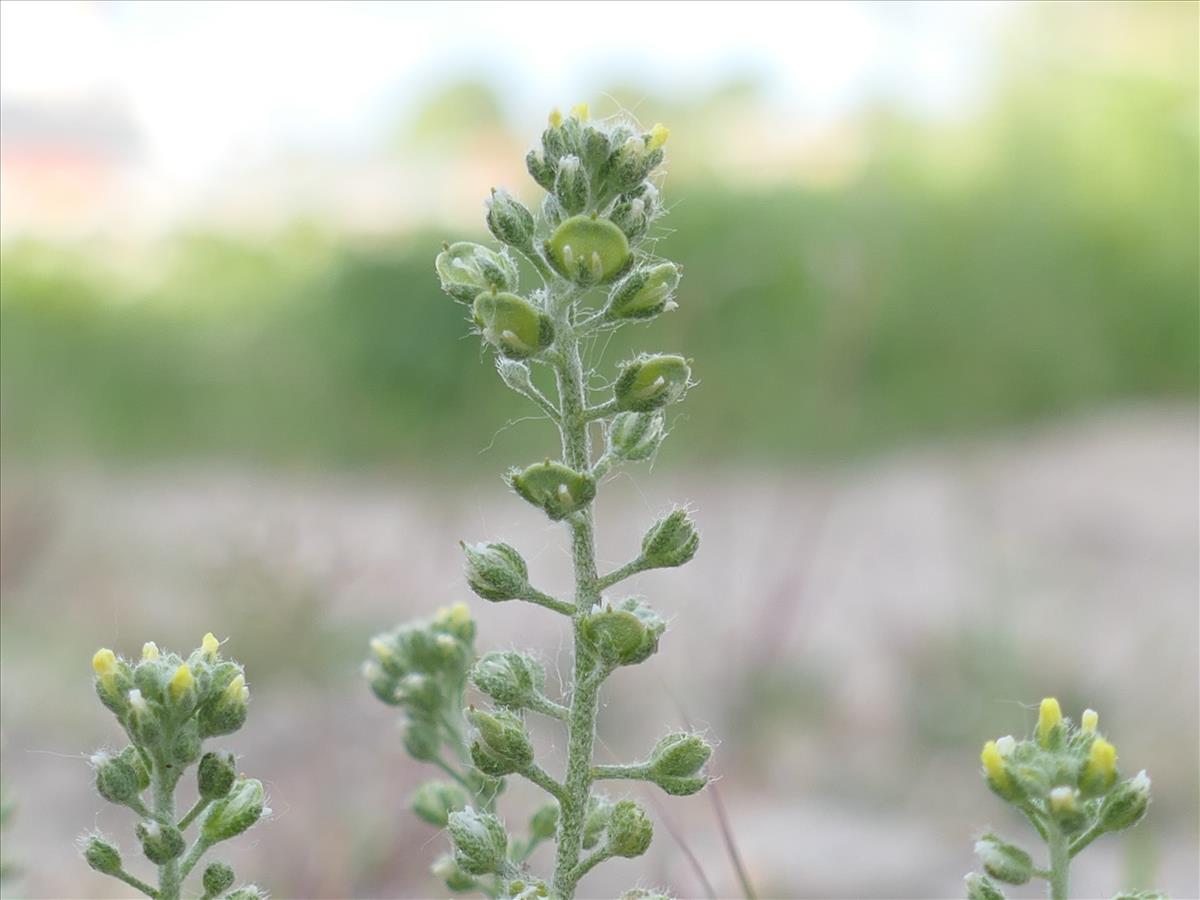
[(1065, 782), (1034, 259), (168, 707)]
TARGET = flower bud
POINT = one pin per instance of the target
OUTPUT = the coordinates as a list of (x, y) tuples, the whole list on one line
[(552, 211), (466, 270), (980, 887), (422, 740), (235, 812), (556, 489), (510, 221), (161, 843), (218, 877), (383, 685), (480, 842), (629, 830), (513, 325), (130, 755), (144, 725), (435, 800), (644, 293), (150, 651), (996, 771), (1089, 720), (113, 679), (671, 541), (1125, 806), (635, 159), (185, 744), (102, 856), (445, 868), (635, 436), (571, 185), (679, 754), (216, 774), (496, 571), (623, 636), (650, 382), (1049, 726), (541, 170), (502, 746), (595, 149), (1004, 861), (225, 712), (588, 250), (456, 621), (1100, 770), (544, 822), (210, 646), (181, 689), (596, 821), (508, 677), (1066, 809), (117, 781)]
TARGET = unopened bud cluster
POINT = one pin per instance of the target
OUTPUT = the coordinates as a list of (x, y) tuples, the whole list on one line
[(589, 245), (168, 705), (1065, 780)]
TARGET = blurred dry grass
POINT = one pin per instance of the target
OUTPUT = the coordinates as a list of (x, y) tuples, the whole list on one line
[(850, 635)]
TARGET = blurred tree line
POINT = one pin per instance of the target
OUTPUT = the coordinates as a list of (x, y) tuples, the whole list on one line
[(1037, 259)]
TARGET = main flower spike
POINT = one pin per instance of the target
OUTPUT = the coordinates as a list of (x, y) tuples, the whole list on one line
[(588, 245), (1065, 781), (168, 706)]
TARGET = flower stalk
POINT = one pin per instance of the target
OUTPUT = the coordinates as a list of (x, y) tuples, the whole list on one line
[(589, 237)]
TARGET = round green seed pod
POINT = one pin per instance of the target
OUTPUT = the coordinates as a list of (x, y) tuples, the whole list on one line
[(588, 250)]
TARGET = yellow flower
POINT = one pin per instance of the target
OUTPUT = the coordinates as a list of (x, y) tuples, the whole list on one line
[(555, 118), (181, 682), (1049, 715), (236, 692), (993, 764), (210, 645), (580, 111), (1101, 767), (658, 136), (150, 651), (104, 663), (1089, 720)]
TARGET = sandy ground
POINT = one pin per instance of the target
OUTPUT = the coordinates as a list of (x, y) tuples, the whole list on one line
[(850, 635)]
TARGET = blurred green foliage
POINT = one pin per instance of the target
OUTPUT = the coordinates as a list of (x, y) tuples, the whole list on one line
[(1036, 260)]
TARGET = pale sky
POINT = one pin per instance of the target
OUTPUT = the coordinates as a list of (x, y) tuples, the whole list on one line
[(211, 82)]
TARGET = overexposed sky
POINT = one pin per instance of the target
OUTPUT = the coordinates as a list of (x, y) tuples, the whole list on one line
[(212, 83)]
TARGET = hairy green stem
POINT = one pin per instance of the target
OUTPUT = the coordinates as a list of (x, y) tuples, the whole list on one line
[(1060, 862), (635, 772), (576, 443), (162, 784), (134, 882), (201, 805), (617, 575)]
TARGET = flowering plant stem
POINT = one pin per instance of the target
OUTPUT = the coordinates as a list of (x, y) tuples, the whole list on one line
[(590, 233)]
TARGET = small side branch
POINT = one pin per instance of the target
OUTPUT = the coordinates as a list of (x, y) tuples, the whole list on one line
[(633, 772), (619, 575), (201, 805), (193, 857), (1086, 838), (134, 882), (547, 707), (592, 413), (591, 862), (542, 779), (559, 606)]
